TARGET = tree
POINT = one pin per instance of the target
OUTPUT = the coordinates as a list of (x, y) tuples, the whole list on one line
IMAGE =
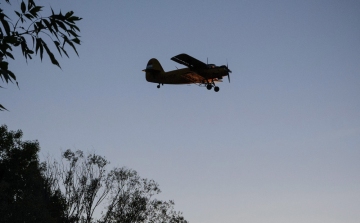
[(87, 186), (30, 25), (25, 194)]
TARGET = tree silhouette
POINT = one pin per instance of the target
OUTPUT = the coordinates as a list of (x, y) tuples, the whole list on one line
[(25, 194), (74, 188), (30, 26), (86, 185)]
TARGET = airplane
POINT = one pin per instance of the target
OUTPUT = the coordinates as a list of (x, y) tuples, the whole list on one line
[(197, 72)]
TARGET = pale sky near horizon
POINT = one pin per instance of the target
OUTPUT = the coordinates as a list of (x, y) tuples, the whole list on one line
[(280, 143)]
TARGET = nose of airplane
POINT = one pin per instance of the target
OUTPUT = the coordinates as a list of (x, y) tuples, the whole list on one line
[(226, 68)]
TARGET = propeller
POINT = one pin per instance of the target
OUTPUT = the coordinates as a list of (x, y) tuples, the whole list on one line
[(229, 71)]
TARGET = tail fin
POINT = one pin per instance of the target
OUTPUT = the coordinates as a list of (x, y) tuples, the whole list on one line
[(153, 66), (153, 71)]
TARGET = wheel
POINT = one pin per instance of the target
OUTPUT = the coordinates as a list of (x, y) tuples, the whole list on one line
[(158, 86), (216, 88), (209, 86)]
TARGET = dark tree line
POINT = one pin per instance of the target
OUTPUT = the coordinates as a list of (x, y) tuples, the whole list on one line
[(72, 189), (25, 194)]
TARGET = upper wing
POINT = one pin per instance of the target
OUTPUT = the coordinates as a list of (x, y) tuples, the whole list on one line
[(188, 61)]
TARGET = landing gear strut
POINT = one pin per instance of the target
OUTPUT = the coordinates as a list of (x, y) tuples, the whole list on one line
[(158, 86)]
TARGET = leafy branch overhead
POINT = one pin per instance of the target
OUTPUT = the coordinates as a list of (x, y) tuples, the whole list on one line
[(32, 33)]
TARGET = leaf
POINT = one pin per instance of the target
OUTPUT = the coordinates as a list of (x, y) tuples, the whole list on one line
[(48, 25), (64, 51), (29, 16), (18, 14), (71, 44), (57, 44), (76, 40), (41, 51), (5, 47), (10, 39), (33, 40), (2, 108), (75, 27), (35, 10), (24, 46), (61, 24), (40, 25), (72, 19), (73, 33), (23, 7), (31, 4), (4, 65), (12, 75), (53, 24), (6, 26), (69, 14), (9, 55), (6, 75), (38, 46), (51, 55)]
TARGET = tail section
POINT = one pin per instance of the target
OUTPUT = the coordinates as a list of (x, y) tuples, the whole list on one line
[(153, 69)]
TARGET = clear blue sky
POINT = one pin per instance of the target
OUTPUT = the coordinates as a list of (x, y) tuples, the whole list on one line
[(280, 143)]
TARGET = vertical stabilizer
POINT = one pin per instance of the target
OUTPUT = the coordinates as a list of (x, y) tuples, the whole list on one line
[(153, 70), (154, 65)]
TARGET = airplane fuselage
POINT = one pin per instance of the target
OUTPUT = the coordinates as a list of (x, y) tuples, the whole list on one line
[(186, 76), (170, 77)]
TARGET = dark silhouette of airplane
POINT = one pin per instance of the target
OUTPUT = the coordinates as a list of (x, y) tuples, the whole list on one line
[(197, 72)]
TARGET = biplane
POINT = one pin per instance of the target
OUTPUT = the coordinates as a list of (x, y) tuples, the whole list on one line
[(197, 72)]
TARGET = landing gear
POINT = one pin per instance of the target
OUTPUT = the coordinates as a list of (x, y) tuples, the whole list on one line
[(209, 86), (158, 86)]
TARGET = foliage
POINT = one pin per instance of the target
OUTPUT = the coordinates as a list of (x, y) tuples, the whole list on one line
[(30, 25), (87, 186), (25, 195), (74, 189)]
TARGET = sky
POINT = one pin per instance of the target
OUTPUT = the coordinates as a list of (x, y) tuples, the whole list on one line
[(280, 143)]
